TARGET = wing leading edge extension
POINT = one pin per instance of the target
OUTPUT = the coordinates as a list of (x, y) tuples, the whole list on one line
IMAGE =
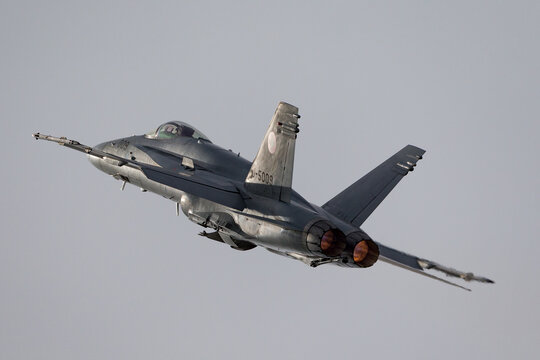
[(197, 182)]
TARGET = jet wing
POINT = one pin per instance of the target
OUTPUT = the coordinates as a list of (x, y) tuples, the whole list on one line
[(419, 265), (197, 182), (358, 201)]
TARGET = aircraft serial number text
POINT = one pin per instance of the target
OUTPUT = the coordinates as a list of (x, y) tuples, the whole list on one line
[(262, 176)]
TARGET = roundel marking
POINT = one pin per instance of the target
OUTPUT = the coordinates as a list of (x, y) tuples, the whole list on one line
[(272, 142)]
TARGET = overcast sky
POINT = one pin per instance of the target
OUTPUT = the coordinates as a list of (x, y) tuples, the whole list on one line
[(90, 272)]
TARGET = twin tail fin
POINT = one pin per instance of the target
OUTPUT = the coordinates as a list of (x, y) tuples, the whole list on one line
[(272, 170)]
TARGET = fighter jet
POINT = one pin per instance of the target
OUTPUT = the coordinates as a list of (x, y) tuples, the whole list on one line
[(248, 204)]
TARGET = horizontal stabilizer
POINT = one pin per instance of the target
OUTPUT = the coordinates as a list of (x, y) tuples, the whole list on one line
[(356, 203)]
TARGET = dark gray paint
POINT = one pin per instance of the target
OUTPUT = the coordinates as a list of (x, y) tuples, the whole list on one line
[(359, 200)]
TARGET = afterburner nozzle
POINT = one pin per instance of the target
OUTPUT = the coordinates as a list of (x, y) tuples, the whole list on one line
[(325, 240)]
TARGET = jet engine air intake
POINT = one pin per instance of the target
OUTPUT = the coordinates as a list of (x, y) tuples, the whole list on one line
[(325, 240)]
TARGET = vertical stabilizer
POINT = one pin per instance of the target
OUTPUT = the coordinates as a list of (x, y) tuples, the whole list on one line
[(271, 172)]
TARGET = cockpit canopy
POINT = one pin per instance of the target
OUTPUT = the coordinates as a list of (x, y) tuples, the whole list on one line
[(174, 129)]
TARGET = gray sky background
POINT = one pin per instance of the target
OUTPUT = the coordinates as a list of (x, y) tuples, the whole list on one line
[(89, 272)]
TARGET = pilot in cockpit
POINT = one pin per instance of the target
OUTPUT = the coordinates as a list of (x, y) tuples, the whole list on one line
[(175, 129)]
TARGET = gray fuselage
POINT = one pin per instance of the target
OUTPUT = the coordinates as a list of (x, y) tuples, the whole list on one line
[(265, 222)]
